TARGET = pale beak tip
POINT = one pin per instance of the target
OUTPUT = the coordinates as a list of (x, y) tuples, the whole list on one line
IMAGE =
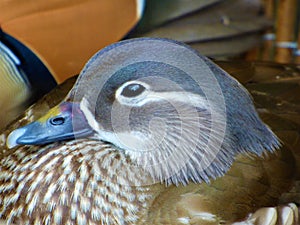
[(12, 138)]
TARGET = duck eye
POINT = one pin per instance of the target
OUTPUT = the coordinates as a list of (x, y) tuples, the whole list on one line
[(132, 90)]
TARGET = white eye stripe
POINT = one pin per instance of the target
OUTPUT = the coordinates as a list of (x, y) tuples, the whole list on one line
[(148, 96), (184, 97), (151, 96)]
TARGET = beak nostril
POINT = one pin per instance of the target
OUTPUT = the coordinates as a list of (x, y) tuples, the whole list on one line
[(57, 120)]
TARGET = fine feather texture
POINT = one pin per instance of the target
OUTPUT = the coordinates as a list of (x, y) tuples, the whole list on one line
[(251, 182), (225, 121)]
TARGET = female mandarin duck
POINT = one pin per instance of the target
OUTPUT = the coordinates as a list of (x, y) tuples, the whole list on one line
[(151, 133)]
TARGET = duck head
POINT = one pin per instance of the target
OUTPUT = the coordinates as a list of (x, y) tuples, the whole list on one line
[(173, 112)]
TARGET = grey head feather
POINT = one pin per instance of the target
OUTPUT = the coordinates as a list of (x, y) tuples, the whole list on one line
[(154, 61)]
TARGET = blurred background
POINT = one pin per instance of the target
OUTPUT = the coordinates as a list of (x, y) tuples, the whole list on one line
[(250, 29), (44, 43)]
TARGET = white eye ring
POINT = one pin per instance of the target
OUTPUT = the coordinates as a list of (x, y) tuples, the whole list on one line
[(132, 92)]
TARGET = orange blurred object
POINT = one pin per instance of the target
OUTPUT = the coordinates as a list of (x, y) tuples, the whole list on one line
[(65, 34)]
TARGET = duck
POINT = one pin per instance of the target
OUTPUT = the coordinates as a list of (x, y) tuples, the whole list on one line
[(152, 132)]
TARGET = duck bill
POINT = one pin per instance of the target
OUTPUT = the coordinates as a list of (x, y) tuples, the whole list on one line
[(63, 122)]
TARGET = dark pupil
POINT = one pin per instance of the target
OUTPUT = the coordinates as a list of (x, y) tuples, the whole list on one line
[(132, 90)]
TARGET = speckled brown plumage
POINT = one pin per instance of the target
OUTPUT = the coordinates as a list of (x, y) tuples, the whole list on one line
[(84, 182), (70, 183), (46, 185)]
